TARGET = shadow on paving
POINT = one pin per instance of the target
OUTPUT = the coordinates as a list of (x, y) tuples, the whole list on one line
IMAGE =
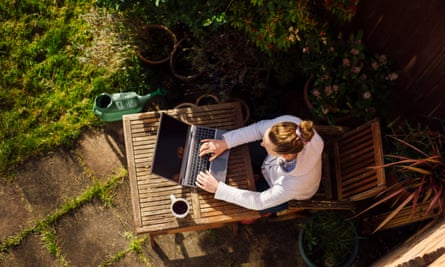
[(259, 244), (93, 234)]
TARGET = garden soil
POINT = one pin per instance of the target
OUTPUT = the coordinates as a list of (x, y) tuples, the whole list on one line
[(94, 233)]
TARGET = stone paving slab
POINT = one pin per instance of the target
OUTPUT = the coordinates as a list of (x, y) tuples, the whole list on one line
[(94, 232), (15, 213), (51, 181), (31, 252), (103, 152)]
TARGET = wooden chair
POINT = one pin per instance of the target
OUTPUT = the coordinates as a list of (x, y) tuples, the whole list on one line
[(347, 176)]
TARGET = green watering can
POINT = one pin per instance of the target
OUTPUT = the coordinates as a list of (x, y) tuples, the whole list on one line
[(111, 107)]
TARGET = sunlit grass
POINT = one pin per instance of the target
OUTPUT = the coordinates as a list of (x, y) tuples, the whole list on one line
[(45, 89), (55, 56)]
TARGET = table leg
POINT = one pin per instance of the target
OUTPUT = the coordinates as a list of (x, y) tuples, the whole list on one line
[(152, 240)]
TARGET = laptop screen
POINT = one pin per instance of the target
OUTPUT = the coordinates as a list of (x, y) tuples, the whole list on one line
[(172, 135)]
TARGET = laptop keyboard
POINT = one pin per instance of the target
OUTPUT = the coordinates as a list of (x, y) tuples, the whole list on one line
[(200, 163)]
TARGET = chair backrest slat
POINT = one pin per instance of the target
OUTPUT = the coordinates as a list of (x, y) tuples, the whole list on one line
[(357, 153)]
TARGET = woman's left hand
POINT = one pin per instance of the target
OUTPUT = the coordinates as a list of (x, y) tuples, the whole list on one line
[(207, 182)]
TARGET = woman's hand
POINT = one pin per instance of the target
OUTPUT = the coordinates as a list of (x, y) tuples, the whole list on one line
[(207, 182), (214, 147)]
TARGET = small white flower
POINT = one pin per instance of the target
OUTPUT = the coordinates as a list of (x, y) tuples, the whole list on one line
[(367, 95)]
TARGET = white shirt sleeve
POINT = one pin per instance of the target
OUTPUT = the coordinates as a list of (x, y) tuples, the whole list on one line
[(301, 183), (280, 192), (255, 131)]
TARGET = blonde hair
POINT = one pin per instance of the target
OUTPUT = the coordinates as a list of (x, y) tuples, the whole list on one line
[(285, 138)]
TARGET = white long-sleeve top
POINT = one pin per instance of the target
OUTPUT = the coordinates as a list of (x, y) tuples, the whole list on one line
[(300, 183)]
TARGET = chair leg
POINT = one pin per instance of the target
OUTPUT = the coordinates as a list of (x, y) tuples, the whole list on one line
[(235, 228)]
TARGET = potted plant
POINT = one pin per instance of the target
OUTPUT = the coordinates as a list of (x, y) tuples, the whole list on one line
[(417, 161), (328, 239), (183, 61), (155, 43), (346, 79)]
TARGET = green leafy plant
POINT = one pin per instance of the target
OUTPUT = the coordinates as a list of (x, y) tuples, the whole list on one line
[(278, 25), (418, 163), (198, 17), (347, 78), (328, 239), (229, 62)]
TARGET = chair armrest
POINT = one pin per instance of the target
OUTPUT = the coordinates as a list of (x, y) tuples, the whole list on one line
[(330, 130)]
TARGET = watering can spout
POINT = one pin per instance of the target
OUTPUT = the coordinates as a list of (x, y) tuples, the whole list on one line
[(144, 98)]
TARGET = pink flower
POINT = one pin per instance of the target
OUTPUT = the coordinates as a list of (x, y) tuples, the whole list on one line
[(355, 51), (325, 110), (356, 69), (393, 76), (367, 95), (331, 49), (382, 59), (371, 110), (346, 62), (316, 93), (328, 90), (306, 49), (363, 76), (335, 87), (374, 65)]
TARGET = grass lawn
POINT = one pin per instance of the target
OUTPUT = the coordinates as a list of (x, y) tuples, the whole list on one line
[(55, 56)]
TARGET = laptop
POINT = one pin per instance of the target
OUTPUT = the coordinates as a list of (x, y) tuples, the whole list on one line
[(176, 155)]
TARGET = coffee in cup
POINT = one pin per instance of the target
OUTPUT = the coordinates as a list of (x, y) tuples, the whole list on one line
[(179, 207)]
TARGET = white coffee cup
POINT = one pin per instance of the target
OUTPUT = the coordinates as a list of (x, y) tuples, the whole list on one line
[(179, 207)]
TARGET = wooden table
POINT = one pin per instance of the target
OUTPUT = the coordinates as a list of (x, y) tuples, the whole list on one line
[(150, 193)]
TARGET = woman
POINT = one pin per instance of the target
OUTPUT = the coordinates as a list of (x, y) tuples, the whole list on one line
[(291, 169)]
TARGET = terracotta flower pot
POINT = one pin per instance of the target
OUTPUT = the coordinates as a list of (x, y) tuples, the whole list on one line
[(181, 62), (156, 44)]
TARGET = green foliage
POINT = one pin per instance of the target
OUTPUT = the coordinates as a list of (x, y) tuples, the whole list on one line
[(48, 237), (135, 246), (198, 17), (279, 25), (349, 79), (230, 61), (328, 238), (12, 241)]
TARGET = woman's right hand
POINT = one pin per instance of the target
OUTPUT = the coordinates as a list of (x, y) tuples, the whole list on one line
[(214, 147)]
